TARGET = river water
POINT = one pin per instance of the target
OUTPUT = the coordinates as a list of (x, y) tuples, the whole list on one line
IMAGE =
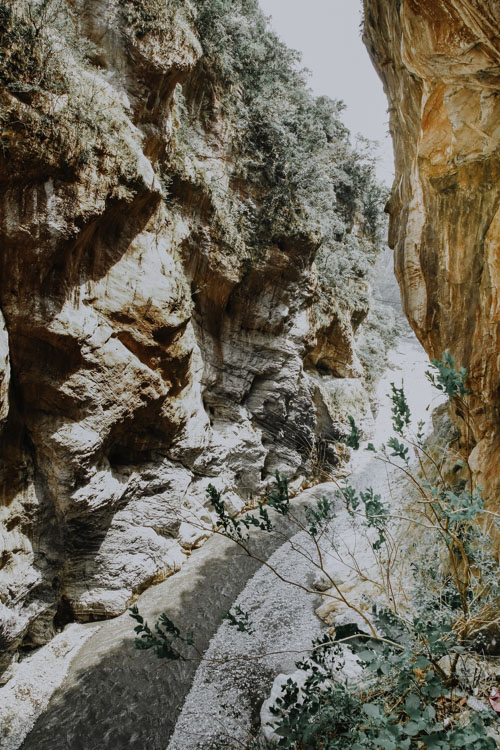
[(95, 692)]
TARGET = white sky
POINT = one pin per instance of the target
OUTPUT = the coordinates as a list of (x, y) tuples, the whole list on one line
[(328, 35)]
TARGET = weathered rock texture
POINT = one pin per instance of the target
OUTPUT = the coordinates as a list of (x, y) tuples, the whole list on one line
[(144, 353), (440, 64)]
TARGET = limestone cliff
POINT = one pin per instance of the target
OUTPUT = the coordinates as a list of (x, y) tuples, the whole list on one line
[(440, 64), (176, 309)]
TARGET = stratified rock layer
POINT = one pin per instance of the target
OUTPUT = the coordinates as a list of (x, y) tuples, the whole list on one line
[(144, 351), (440, 64)]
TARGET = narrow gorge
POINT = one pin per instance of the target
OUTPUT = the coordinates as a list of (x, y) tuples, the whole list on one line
[(195, 298)]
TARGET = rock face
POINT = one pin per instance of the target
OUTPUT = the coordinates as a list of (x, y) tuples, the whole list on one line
[(439, 61), (145, 351)]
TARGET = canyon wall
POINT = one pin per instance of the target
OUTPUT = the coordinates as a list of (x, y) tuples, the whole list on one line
[(163, 325), (439, 61)]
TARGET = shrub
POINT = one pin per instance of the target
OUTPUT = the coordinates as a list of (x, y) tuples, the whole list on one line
[(150, 16), (28, 56), (55, 111)]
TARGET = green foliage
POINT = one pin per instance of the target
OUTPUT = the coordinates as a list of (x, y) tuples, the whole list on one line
[(162, 639), (320, 516), (239, 620), (399, 449), (375, 512), (350, 497), (352, 440), (322, 714), (420, 435), (296, 173), (447, 378), (278, 498), (401, 416), (236, 527), (407, 689), (150, 16), (457, 507), (398, 707)]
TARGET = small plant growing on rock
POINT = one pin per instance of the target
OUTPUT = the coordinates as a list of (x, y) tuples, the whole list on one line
[(445, 377), (161, 639)]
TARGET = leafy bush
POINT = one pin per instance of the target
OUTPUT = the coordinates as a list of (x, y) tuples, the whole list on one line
[(448, 379), (28, 60), (322, 713), (162, 639), (150, 16)]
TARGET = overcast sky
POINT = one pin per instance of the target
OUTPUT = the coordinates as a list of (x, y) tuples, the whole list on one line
[(328, 35)]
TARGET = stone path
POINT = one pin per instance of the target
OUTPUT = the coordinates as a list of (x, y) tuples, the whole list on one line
[(115, 697), (224, 702)]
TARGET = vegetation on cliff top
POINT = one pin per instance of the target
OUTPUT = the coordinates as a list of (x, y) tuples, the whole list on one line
[(282, 172), (294, 174), (291, 146)]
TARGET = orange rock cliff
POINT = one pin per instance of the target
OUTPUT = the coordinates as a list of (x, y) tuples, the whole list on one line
[(439, 61)]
